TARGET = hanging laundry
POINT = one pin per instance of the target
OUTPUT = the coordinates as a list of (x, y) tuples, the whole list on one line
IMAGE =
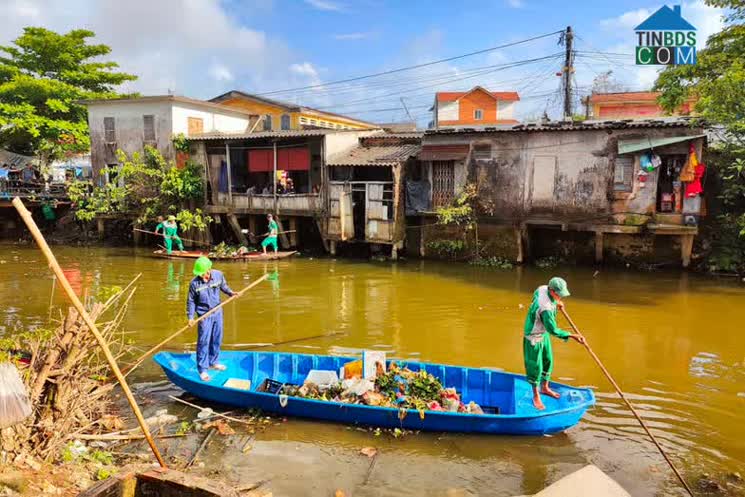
[(689, 170), (645, 162), (694, 188), (656, 160)]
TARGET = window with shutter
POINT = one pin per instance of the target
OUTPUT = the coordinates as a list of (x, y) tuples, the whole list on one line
[(623, 174), (482, 152), (109, 131), (285, 121), (268, 122), (148, 124), (195, 125)]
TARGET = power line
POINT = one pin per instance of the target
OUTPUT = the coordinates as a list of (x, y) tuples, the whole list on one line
[(417, 66)]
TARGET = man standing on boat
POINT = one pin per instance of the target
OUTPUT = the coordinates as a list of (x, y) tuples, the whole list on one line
[(170, 233), (271, 238), (204, 294), (539, 324)]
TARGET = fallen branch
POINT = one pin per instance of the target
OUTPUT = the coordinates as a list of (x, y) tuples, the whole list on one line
[(106, 436), (201, 447), (224, 416)]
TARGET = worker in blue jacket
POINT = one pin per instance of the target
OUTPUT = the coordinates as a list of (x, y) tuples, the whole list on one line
[(204, 294)]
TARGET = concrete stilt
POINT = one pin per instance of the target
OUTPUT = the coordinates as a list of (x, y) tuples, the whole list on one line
[(236, 227), (394, 252), (293, 232), (686, 248), (519, 242), (598, 246), (332, 247), (101, 227), (252, 229)]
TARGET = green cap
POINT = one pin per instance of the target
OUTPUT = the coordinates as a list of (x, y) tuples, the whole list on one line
[(171, 218), (559, 286), (202, 265)]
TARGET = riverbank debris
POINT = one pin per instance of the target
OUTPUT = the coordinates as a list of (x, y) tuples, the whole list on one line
[(64, 380)]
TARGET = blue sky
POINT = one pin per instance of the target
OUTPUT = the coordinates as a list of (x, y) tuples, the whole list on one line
[(201, 48)]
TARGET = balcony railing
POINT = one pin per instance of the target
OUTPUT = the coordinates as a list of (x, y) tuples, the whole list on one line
[(301, 203)]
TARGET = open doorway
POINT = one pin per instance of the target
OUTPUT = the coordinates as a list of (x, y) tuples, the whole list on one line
[(669, 191), (359, 200)]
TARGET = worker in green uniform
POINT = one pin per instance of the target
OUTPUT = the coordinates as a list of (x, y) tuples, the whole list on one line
[(271, 238), (539, 324), (170, 233)]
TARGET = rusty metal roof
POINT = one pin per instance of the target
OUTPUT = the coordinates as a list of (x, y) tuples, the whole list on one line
[(386, 155), (292, 133), (667, 122)]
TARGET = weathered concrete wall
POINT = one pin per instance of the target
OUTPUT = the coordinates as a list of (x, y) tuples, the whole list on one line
[(555, 175), (129, 127)]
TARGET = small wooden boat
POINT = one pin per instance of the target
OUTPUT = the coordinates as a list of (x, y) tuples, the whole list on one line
[(507, 396), (165, 482), (249, 256)]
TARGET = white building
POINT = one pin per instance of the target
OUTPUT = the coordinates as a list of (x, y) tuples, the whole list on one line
[(131, 123)]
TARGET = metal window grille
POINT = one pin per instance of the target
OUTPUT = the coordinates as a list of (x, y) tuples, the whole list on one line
[(623, 174), (443, 183), (148, 124)]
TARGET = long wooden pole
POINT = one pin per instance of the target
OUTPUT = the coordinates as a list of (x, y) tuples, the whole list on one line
[(169, 236), (628, 403), (203, 316), (54, 265)]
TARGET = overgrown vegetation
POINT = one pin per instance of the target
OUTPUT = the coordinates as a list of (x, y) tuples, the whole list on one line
[(717, 82), (462, 215), (146, 186), (43, 76)]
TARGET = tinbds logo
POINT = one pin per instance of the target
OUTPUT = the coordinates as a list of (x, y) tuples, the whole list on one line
[(665, 38)]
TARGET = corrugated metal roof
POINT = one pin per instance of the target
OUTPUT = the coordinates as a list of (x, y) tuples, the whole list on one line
[(298, 133), (388, 155), (636, 145), (671, 122)]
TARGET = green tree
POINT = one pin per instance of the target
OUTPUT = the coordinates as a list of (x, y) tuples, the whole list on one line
[(150, 186), (43, 75), (717, 82)]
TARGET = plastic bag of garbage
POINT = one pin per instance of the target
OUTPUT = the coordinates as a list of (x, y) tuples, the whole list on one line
[(357, 386)]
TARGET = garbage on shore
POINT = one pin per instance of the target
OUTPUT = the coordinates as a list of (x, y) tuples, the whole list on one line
[(65, 376)]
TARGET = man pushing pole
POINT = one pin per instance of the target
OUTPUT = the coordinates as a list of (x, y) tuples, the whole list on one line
[(204, 294), (539, 324)]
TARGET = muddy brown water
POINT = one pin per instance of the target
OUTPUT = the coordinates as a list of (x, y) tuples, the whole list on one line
[(674, 342)]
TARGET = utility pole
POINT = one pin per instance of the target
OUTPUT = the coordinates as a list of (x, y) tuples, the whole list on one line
[(406, 109), (568, 72)]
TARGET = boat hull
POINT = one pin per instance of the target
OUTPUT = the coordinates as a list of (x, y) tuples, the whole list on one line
[(253, 256), (509, 392)]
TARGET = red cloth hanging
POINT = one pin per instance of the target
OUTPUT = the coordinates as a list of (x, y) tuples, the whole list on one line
[(260, 161), (694, 188)]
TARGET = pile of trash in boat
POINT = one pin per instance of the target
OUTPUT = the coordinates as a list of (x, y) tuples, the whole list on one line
[(368, 382)]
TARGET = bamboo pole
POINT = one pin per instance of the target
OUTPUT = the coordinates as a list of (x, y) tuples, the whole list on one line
[(169, 236), (177, 333), (51, 297), (54, 265), (628, 403)]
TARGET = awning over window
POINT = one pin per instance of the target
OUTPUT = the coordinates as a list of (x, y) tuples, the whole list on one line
[(444, 152), (637, 145), (288, 159)]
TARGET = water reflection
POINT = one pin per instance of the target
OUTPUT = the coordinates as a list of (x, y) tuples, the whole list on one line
[(664, 336)]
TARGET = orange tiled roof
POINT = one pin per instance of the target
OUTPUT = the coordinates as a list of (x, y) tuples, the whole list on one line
[(452, 96)]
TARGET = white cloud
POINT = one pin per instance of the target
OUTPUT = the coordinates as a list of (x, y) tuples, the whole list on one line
[(706, 19), (628, 20), (221, 73), (324, 5), (169, 44), (352, 36), (516, 4)]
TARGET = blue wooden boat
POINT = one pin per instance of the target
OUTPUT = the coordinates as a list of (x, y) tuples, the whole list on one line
[(507, 394)]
